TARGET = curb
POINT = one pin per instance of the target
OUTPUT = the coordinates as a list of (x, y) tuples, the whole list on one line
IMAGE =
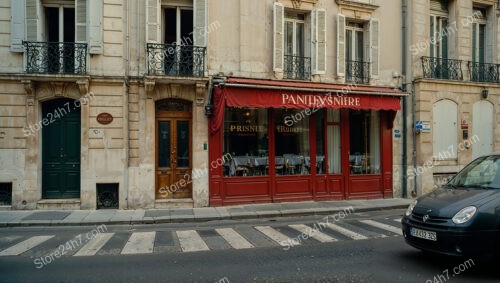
[(242, 216)]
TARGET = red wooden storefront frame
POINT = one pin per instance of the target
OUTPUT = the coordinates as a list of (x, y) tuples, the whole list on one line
[(281, 188)]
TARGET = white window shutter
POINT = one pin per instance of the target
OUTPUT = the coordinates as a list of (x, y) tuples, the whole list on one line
[(81, 21), (153, 9), (200, 22), (278, 36), (319, 51), (314, 41), (95, 33), (340, 45), (17, 25), (32, 20), (375, 47)]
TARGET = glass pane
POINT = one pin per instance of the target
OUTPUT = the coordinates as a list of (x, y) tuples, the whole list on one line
[(246, 142), (444, 40), (348, 45), (359, 46), (364, 142), (292, 142), (164, 144), (183, 143), (482, 29), (333, 115), (299, 40), (334, 149), (320, 142), (474, 42), (432, 31), (288, 38)]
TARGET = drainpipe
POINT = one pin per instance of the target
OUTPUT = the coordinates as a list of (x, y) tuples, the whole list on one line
[(404, 161), (126, 106)]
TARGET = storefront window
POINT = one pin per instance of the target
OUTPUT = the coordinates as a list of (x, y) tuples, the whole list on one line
[(364, 155), (292, 141), (320, 142), (334, 146), (246, 139)]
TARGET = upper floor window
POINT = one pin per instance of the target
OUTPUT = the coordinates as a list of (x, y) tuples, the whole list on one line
[(297, 65), (479, 35), (357, 49), (439, 29), (178, 25), (57, 21), (299, 42)]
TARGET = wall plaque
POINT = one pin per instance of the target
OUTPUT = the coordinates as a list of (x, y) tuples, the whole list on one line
[(104, 118)]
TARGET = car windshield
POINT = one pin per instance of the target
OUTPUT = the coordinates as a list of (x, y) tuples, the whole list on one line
[(483, 173)]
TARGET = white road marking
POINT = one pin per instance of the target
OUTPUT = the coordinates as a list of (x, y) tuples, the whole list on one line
[(191, 241), (346, 232), (383, 226), (275, 235), (315, 234), (140, 243), (234, 239), (25, 245), (94, 245), (398, 220)]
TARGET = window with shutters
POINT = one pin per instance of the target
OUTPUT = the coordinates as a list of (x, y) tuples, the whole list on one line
[(357, 65), (56, 35), (296, 64), (358, 46), (176, 47)]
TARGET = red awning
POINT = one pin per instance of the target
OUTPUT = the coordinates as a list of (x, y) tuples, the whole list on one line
[(279, 94)]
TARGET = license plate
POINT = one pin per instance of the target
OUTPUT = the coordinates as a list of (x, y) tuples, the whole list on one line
[(428, 235)]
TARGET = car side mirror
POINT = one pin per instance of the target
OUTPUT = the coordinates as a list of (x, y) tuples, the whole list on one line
[(449, 178)]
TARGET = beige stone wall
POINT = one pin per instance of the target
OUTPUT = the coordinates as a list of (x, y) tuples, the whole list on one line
[(464, 93), (243, 44)]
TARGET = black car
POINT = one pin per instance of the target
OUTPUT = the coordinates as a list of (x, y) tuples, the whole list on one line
[(462, 218)]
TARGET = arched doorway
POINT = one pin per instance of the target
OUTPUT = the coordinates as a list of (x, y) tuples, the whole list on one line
[(173, 149), (61, 134)]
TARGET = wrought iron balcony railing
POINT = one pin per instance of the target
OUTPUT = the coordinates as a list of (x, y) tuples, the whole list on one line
[(484, 72), (297, 67), (56, 57), (439, 68), (175, 60), (357, 72)]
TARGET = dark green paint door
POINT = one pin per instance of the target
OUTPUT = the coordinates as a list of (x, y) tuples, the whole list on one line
[(61, 149)]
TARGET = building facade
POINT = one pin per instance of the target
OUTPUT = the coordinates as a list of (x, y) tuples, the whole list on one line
[(454, 76), (190, 103)]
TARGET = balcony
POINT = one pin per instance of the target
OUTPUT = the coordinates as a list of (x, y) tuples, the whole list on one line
[(297, 67), (357, 72), (55, 58), (439, 68), (175, 60), (483, 72)]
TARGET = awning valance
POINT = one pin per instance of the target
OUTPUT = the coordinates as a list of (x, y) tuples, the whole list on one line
[(247, 93)]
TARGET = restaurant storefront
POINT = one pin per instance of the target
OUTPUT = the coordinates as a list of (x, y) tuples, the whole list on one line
[(292, 141)]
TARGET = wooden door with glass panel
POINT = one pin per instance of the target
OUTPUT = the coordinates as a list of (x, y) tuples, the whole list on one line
[(173, 151)]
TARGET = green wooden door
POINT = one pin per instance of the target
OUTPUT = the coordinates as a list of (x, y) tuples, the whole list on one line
[(61, 150)]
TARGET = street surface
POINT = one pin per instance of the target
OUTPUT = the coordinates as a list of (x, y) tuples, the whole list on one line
[(362, 247)]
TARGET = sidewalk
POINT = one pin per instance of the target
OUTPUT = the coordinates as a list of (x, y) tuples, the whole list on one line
[(16, 218)]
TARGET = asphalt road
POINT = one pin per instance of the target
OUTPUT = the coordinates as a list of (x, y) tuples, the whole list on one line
[(381, 257)]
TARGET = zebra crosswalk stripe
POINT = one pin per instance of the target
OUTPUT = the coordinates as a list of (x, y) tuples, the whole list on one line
[(382, 226), (315, 234), (274, 235), (234, 239), (94, 245), (346, 232), (25, 245), (191, 241), (140, 243)]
